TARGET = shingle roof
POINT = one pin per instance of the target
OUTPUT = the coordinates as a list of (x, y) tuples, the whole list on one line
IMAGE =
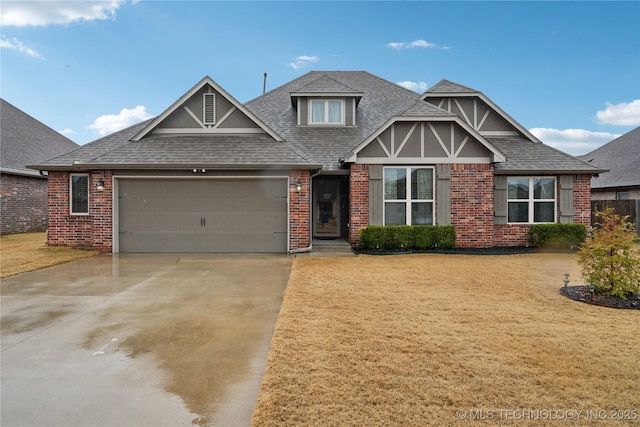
[(174, 151), (447, 86), (380, 101), (524, 156), (622, 157), (25, 140)]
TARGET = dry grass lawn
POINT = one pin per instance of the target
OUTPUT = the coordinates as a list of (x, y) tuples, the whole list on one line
[(441, 340), (20, 253)]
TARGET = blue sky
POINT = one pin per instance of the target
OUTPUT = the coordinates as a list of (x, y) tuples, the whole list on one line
[(567, 71)]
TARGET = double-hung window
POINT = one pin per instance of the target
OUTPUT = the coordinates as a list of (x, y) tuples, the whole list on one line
[(408, 196), (531, 200), (327, 111), (79, 200)]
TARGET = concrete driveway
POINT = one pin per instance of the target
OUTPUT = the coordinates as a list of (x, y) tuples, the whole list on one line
[(144, 340)]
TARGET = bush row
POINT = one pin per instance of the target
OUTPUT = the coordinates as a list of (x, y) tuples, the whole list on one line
[(407, 237), (557, 236)]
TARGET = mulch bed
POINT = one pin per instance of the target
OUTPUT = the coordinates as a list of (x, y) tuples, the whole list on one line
[(581, 293)]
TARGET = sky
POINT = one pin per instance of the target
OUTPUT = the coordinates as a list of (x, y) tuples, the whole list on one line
[(567, 71)]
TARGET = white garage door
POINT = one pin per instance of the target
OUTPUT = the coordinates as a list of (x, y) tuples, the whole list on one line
[(202, 215)]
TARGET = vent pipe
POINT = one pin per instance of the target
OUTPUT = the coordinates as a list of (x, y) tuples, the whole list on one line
[(264, 84)]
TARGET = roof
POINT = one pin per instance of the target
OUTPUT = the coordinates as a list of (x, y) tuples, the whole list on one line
[(25, 140), (622, 157), (180, 151), (447, 86), (381, 100), (528, 157)]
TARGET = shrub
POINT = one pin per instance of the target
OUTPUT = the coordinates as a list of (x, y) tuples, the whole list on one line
[(608, 259), (407, 237), (557, 236)]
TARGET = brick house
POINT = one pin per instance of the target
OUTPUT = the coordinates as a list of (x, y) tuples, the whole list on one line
[(23, 196), (319, 157)]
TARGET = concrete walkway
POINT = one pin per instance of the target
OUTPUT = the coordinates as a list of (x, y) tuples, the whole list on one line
[(144, 340)]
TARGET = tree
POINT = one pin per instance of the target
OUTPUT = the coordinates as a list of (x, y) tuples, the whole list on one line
[(609, 259)]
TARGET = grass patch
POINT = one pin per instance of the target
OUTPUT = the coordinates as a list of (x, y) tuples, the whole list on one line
[(29, 252), (414, 339)]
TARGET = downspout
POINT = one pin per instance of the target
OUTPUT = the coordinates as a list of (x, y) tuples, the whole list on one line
[(310, 247)]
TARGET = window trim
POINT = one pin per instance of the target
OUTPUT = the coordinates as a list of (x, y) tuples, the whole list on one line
[(408, 200), (531, 200), (326, 121), (71, 192)]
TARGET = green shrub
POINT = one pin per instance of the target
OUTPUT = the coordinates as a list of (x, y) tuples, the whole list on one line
[(407, 237), (609, 259), (557, 236)]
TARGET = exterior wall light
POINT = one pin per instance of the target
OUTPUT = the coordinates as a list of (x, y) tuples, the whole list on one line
[(100, 185), (298, 186)]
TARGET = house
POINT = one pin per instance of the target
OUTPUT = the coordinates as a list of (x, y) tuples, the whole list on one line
[(319, 157), (25, 141), (622, 158)]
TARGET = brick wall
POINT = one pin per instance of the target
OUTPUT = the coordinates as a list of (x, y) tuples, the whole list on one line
[(358, 201), (472, 205), (299, 210), (23, 204), (83, 231), (582, 200)]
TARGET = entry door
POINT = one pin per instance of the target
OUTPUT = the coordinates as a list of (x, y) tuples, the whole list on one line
[(326, 208)]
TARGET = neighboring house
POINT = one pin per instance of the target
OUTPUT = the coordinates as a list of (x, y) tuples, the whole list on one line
[(319, 157), (622, 158), (23, 192)]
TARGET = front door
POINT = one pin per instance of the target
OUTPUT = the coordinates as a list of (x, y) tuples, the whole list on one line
[(326, 208)]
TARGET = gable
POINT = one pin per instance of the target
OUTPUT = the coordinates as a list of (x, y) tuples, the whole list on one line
[(424, 142), (477, 113), (206, 109)]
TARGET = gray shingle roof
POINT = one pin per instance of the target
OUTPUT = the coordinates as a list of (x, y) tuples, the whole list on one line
[(524, 156), (176, 151), (622, 157), (447, 86), (380, 101), (25, 141)]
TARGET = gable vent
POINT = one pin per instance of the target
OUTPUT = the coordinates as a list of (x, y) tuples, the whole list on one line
[(209, 112)]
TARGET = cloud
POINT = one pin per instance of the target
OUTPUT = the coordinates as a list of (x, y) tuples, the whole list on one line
[(303, 61), (415, 44), (623, 114), (66, 132), (113, 122), (14, 43), (419, 87), (573, 141), (41, 13)]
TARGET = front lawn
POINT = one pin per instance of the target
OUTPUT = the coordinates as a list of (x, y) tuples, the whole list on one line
[(446, 340)]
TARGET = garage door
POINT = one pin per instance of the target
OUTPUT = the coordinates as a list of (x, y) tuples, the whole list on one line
[(200, 215)]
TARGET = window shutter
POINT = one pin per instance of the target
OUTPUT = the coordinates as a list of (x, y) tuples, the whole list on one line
[(443, 194), (500, 199), (209, 113), (566, 199), (375, 195)]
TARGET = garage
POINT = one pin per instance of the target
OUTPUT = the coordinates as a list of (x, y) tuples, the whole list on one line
[(202, 215)]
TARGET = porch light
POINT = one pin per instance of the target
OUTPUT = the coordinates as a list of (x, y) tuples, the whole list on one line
[(100, 185), (298, 186)]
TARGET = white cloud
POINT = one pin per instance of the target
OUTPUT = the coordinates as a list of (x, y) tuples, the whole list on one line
[(573, 141), (40, 13), (414, 44), (303, 61), (113, 122), (66, 132), (623, 114), (14, 43), (419, 87)]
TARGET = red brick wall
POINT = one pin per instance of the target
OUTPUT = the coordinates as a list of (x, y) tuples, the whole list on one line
[(358, 201), (582, 200), (23, 204), (472, 205), (82, 231), (299, 210)]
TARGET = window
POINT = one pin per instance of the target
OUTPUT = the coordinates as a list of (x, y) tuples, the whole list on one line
[(327, 111), (408, 196), (531, 200), (79, 200), (209, 109), (622, 195)]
